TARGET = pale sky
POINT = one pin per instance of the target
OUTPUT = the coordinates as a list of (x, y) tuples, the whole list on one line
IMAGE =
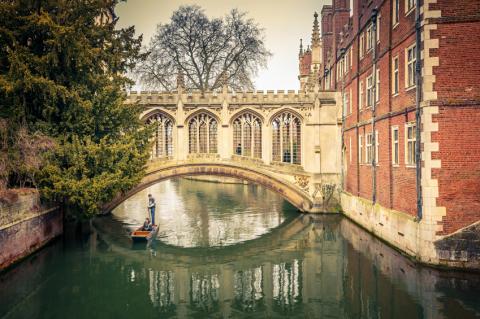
[(284, 21)]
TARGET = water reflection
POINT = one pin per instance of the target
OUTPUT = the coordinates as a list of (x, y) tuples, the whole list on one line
[(200, 214), (307, 267)]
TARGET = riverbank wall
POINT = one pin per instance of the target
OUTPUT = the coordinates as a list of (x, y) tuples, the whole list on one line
[(417, 238), (25, 225)]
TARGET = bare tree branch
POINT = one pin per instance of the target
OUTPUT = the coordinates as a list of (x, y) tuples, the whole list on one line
[(204, 50)]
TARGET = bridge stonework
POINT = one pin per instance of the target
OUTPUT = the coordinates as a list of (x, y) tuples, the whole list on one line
[(287, 141)]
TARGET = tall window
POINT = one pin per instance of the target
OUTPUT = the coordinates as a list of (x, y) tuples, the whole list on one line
[(345, 103), (369, 90), (377, 144), (409, 5), (395, 150), (369, 37), (362, 45), (360, 149), (395, 79), (286, 138), (247, 136), (410, 143), (361, 97), (396, 10), (368, 148), (351, 57), (202, 134), (411, 64), (350, 150), (163, 135), (350, 95), (377, 85), (378, 27)]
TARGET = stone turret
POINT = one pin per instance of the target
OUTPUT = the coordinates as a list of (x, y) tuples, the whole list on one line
[(180, 80), (310, 60)]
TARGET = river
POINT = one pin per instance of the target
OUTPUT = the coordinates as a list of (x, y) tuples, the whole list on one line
[(228, 251)]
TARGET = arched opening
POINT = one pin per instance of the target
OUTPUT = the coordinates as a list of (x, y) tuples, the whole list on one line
[(247, 135), (163, 135), (287, 138), (288, 191), (202, 134)]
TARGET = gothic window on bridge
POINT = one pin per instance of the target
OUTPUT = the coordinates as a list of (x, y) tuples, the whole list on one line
[(163, 136), (286, 138), (202, 134), (247, 136)]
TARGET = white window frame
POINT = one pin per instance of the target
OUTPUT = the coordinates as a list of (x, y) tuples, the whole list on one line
[(369, 36), (395, 76), (350, 95), (409, 141), (350, 150), (368, 148), (377, 86), (377, 144), (409, 63), (360, 149), (409, 6), (369, 91), (395, 146), (361, 96), (379, 17), (396, 13), (362, 45), (351, 57)]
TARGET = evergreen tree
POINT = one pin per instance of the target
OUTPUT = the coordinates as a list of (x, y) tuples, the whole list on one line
[(62, 66)]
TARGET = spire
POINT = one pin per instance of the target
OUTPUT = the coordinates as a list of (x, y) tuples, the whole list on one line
[(316, 31), (301, 48), (180, 80)]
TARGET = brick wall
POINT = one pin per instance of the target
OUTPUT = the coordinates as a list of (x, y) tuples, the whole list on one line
[(25, 226)]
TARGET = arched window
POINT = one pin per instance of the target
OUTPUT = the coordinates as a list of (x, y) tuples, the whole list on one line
[(286, 138), (163, 135), (247, 136), (202, 134)]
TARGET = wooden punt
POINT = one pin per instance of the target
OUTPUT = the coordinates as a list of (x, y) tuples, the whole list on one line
[(141, 235)]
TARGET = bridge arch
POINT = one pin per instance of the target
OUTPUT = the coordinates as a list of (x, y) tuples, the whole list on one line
[(290, 192)]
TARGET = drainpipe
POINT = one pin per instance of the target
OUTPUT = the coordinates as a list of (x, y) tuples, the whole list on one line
[(374, 105), (418, 111), (342, 165)]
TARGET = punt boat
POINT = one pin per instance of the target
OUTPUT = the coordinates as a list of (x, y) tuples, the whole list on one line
[(141, 235)]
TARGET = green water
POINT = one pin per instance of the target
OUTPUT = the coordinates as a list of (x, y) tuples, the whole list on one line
[(228, 251)]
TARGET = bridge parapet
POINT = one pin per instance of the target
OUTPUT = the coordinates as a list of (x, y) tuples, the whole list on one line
[(246, 97)]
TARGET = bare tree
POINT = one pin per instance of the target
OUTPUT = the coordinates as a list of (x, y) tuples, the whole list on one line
[(206, 51)]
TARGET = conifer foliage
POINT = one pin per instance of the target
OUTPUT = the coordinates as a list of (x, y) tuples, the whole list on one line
[(62, 66)]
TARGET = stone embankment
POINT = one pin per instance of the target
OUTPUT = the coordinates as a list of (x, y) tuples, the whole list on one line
[(25, 224)]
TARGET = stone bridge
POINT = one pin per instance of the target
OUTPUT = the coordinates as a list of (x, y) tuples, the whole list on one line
[(287, 141)]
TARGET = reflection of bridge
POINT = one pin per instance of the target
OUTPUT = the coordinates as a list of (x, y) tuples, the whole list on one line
[(286, 141), (276, 273)]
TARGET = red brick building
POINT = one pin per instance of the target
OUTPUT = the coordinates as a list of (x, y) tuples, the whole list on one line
[(411, 117)]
